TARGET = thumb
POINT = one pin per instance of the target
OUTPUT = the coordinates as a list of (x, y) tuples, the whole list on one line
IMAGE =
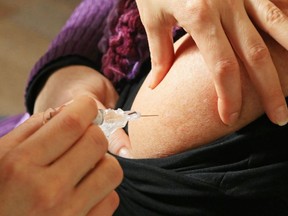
[(160, 42), (119, 144)]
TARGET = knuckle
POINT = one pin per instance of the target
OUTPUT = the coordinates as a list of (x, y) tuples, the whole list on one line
[(48, 194), (46, 197), (197, 10), (12, 167), (114, 200), (90, 102), (196, 6), (114, 173), (232, 4), (257, 53), (72, 122), (273, 14), (225, 66), (97, 139), (193, 14)]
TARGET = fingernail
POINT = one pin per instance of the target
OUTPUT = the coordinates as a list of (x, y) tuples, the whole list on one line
[(124, 152), (69, 102), (48, 115), (150, 83), (281, 114), (233, 118), (51, 112), (150, 80), (64, 105)]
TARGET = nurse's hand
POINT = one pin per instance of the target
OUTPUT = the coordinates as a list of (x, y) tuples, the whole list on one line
[(220, 27), (72, 81), (59, 168)]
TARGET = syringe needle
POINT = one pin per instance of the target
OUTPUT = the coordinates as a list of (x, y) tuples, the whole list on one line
[(148, 115), (131, 113)]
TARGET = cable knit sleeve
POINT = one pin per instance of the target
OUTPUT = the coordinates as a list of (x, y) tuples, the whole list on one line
[(80, 35)]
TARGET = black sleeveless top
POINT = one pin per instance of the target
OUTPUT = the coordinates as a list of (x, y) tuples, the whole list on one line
[(244, 173)]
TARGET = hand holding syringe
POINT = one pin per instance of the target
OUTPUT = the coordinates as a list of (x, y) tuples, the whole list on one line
[(110, 120)]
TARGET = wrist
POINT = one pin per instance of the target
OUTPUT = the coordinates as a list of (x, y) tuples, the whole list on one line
[(69, 82)]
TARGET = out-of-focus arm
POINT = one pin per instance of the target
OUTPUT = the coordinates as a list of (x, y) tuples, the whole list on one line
[(76, 44)]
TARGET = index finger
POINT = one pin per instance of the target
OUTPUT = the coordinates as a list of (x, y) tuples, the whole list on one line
[(223, 65), (161, 51), (61, 132)]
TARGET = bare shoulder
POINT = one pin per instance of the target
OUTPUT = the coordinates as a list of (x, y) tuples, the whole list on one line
[(186, 103)]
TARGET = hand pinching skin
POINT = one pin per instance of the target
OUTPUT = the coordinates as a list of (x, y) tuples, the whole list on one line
[(222, 29)]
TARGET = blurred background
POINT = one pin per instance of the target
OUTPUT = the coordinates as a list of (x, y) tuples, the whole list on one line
[(26, 29)]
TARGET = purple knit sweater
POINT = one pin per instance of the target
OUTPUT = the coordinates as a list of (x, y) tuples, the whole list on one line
[(80, 35), (96, 28), (102, 27), (108, 33)]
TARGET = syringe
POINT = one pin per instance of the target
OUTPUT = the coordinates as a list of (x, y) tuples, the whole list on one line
[(110, 120)]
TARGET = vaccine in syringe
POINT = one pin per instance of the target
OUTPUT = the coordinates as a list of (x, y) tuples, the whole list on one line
[(110, 120)]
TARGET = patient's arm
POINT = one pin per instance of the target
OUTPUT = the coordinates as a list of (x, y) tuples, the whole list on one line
[(186, 104)]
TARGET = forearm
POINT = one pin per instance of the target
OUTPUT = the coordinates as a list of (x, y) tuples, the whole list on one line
[(79, 37)]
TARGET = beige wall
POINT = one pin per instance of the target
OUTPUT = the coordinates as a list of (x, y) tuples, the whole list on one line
[(26, 29)]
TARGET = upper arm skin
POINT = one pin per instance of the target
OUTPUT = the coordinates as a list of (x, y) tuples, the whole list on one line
[(186, 103)]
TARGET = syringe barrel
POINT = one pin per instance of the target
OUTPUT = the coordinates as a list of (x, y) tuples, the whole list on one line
[(110, 120), (100, 117)]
